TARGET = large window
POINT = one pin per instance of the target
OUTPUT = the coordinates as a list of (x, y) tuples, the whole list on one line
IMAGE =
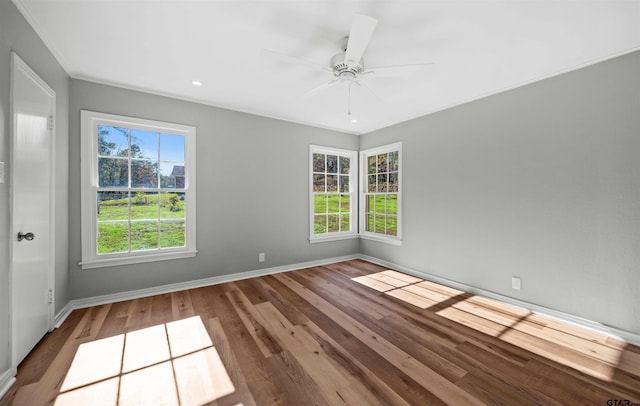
[(332, 198), (380, 189), (138, 190)]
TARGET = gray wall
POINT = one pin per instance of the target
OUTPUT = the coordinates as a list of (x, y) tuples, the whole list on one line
[(542, 182), (16, 35), (252, 191)]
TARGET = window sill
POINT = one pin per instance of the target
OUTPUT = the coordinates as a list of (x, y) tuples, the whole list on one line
[(313, 240), (136, 259), (386, 240)]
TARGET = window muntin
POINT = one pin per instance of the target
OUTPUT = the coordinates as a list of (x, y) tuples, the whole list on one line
[(380, 197), (332, 202), (138, 185)]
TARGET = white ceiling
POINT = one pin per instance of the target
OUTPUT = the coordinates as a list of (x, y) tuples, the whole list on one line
[(479, 47)]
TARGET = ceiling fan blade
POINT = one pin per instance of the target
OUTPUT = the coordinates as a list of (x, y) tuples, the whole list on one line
[(294, 60), (320, 88), (396, 69), (369, 89), (361, 30)]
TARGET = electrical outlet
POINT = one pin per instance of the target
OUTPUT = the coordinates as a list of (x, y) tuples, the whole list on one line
[(261, 257), (516, 283)]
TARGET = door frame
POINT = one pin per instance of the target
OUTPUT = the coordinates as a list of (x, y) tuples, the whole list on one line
[(17, 64)]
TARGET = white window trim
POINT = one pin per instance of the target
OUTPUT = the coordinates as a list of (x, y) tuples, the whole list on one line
[(367, 235), (89, 187), (353, 176)]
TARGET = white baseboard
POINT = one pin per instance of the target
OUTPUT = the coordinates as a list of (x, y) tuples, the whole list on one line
[(6, 380), (624, 335), (214, 280), (62, 315)]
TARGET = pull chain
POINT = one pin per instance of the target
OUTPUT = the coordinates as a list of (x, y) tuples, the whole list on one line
[(349, 100)]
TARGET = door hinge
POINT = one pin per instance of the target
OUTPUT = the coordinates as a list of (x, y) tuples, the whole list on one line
[(50, 123), (50, 296)]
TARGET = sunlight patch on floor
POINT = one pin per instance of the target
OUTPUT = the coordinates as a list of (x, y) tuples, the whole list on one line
[(413, 290), (167, 364), (516, 326), (94, 361)]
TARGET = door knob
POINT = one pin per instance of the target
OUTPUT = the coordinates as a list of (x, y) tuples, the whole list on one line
[(27, 236)]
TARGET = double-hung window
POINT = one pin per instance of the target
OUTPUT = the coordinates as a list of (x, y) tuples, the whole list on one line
[(138, 190), (333, 173), (380, 197)]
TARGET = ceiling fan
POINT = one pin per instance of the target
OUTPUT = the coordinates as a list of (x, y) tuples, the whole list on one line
[(347, 66)]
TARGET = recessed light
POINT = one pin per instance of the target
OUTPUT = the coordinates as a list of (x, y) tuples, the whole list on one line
[(196, 83), (353, 120)]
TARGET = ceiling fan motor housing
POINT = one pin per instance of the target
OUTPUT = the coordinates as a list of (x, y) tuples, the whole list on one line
[(343, 71)]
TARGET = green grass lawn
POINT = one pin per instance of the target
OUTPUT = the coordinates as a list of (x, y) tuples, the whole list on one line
[(331, 213), (115, 226)]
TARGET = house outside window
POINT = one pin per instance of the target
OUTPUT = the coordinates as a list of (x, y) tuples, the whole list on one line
[(138, 190)]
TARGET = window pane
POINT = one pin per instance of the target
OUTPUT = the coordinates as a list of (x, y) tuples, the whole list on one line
[(172, 205), (382, 163), (332, 164), (112, 141), (334, 223), (144, 205), (318, 183), (393, 161), (318, 163), (380, 223), (333, 203), (380, 204), (113, 237), (371, 204), (144, 174), (320, 203), (172, 234), (144, 144), (371, 164), (345, 222), (332, 183), (393, 182), (320, 224), (392, 225), (345, 203), (344, 183), (371, 182), (144, 235), (382, 182), (171, 147), (370, 222), (113, 206), (345, 165), (113, 172), (172, 175), (392, 204)]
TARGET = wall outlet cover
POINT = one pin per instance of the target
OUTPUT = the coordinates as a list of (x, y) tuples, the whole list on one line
[(516, 283)]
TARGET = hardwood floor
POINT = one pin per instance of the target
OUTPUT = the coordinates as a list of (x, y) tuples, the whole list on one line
[(350, 333)]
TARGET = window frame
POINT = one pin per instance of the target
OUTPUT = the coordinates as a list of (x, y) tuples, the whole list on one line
[(368, 235), (90, 120), (353, 193)]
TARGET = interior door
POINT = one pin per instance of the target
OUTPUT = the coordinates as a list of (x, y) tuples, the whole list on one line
[(33, 109)]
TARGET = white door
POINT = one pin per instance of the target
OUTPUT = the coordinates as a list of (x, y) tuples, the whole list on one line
[(33, 109)]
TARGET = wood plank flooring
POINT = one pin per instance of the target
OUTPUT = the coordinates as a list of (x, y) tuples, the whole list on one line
[(350, 333)]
